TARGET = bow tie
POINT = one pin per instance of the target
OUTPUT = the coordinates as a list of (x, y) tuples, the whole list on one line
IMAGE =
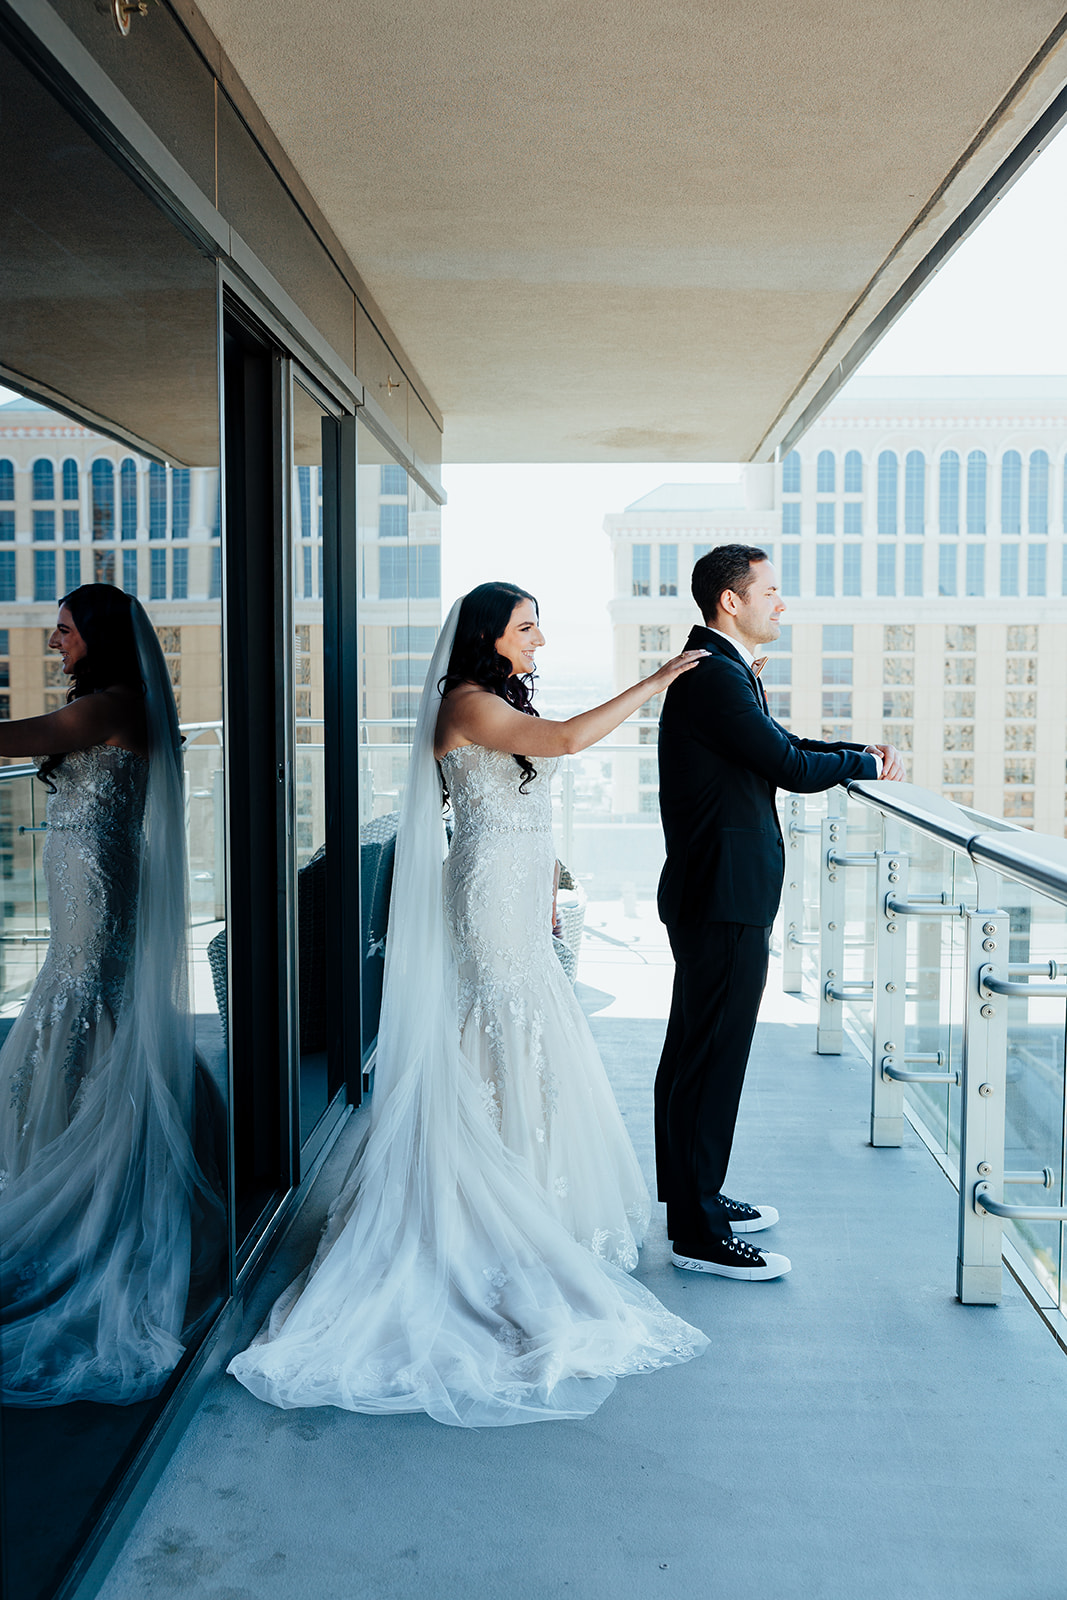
[(759, 664)]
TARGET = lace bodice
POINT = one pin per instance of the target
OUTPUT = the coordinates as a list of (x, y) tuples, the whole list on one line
[(99, 795), (484, 787), (91, 856), (91, 862)]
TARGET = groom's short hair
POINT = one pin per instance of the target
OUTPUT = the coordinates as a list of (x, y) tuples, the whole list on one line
[(727, 566)]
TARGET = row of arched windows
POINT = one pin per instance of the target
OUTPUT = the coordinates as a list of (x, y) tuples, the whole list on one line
[(825, 473), (950, 482), (103, 503), (43, 476)]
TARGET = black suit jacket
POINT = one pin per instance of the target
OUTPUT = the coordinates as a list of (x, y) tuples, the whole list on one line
[(722, 756)]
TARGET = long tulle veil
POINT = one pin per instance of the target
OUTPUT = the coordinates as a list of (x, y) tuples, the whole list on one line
[(418, 958), (95, 1233), (442, 1283)]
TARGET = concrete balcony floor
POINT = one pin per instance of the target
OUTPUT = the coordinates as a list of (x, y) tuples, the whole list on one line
[(852, 1431)]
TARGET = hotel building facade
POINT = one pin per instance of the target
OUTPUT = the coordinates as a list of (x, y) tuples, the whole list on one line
[(919, 534)]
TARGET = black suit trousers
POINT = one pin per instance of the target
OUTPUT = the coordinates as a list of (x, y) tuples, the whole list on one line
[(719, 976)]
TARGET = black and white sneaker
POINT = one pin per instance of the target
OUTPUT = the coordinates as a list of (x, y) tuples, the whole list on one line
[(732, 1258), (748, 1219)]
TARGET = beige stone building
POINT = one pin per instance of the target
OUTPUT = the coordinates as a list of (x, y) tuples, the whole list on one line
[(76, 507), (919, 533), (400, 618)]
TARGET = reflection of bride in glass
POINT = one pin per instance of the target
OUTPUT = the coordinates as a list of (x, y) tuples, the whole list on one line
[(97, 1174), (472, 1265)]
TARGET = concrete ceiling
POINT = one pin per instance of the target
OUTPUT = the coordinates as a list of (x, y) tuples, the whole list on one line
[(623, 231)]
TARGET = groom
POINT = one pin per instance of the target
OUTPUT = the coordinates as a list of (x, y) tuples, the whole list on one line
[(721, 758)]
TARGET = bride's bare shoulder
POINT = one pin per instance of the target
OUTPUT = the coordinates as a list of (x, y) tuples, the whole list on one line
[(449, 735)]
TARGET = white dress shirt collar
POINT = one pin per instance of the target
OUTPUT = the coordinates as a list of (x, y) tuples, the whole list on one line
[(746, 656)]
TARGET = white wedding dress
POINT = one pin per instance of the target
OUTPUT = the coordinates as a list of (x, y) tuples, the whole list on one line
[(543, 1082), (98, 1180), (468, 1267)]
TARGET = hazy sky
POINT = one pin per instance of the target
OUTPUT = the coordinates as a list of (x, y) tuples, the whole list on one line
[(996, 307)]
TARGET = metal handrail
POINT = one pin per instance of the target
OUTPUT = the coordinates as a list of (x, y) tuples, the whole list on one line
[(902, 1075), (850, 991), (1025, 991), (984, 1201), (1045, 1178), (931, 814), (1036, 861), (924, 905)]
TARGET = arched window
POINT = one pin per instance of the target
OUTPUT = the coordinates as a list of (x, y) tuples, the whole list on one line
[(128, 497), (915, 492), (976, 483), (7, 480), (44, 481), (70, 479), (853, 472), (887, 492), (157, 502), (102, 477), (179, 506), (825, 473), (1037, 517), (1011, 493), (791, 473), (948, 506)]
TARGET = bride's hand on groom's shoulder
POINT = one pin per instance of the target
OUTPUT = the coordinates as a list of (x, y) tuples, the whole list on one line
[(674, 668)]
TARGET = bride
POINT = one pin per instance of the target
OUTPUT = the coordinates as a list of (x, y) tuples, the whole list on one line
[(472, 1265), (98, 1182)]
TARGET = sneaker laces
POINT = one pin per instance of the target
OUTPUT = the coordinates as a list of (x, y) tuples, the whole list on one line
[(739, 1208), (746, 1251)]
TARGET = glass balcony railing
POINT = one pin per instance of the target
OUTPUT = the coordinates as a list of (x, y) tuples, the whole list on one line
[(24, 935), (932, 936), (936, 938), (605, 804), (25, 923)]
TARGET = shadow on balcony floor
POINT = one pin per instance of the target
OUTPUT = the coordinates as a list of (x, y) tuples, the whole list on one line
[(851, 1431)]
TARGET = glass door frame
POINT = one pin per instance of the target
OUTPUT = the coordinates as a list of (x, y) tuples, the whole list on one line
[(342, 944)]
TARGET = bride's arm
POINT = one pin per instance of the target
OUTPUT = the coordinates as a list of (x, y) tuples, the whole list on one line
[(471, 715), (93, 719)]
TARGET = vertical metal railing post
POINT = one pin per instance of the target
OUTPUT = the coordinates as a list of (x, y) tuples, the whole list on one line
[(567, 812), (979, 1274), (793, 894), (794, 938), (829, 1035), (218, 808), (890, 989)]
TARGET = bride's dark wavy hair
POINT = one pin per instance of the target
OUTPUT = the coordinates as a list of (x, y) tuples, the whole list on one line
[(102, 616), (483, 618)]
